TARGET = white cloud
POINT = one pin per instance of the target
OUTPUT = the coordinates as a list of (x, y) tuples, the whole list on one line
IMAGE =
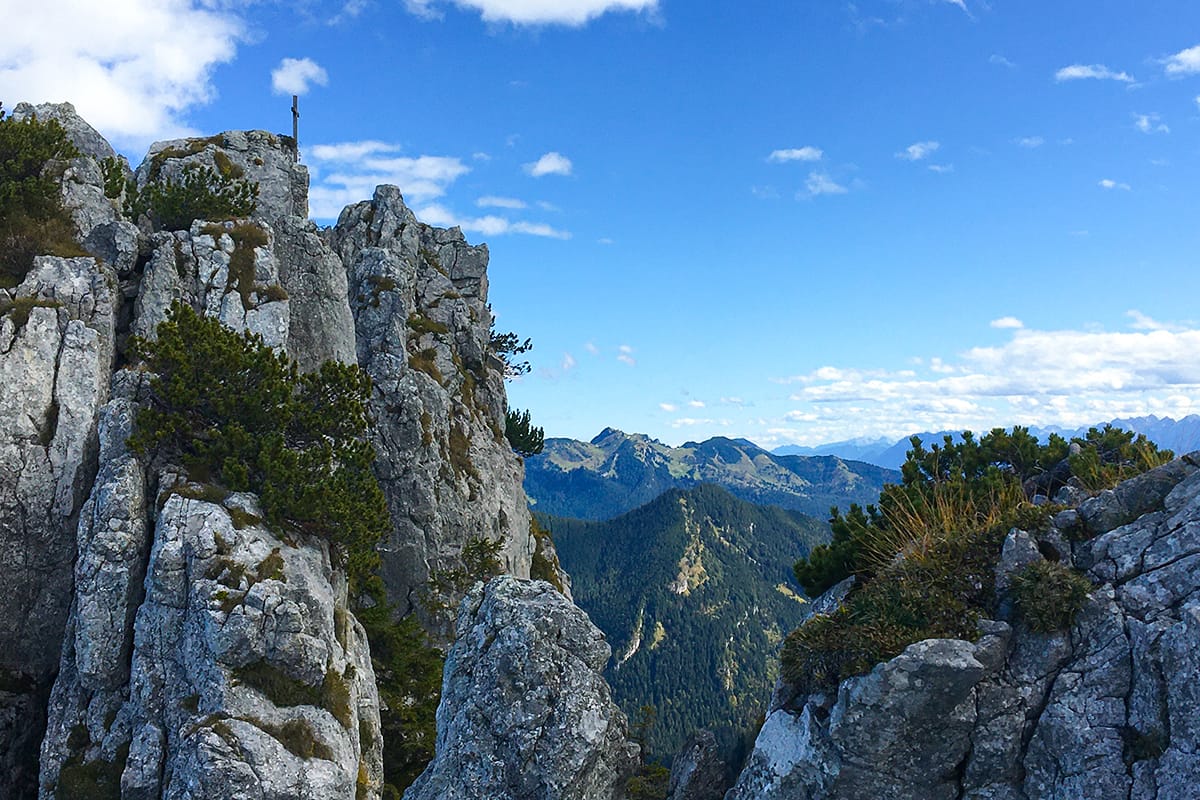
[(1150, 123), (492, 201), (535, 12), (733, 401), (919, 151), (1000, 60), (941, 169), (133, 68), (819, 183), (568, 362), (1059, 377), (670, 408), (552, 163), (350, 171), (961, 4), (1077, 72), (1030, 142), (1109, 183), (626, 355), (806, 153), (1185, 62), (591, 348), (295, 75), (696, 403), (604, 240), (489, 225)]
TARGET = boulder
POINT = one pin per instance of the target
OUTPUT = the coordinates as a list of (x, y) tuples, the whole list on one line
[(525, 712)]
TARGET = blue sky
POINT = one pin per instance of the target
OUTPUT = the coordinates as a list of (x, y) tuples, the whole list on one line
[(791, 221)]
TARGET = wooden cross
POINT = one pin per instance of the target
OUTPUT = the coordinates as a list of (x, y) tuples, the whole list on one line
[(296, 124)]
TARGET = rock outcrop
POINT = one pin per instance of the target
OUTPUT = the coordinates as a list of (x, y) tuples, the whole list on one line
[(698, 771), (1107, 709), (525, 712), (56, 354), (194, 653), (423, 325)]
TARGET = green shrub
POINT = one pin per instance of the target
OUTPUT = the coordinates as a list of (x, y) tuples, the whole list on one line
[(408, 672), (507, 347), (526, 439), (32, 218), (966, 485), (114, 177), (200, 193), (233, 412), (1048, 595), (420, 324)]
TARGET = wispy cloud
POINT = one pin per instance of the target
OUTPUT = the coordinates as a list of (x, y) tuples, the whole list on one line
[(1057, 377), (297, 75), (1000, 60), (347, 172), (670, 408), (1185, 62), (573, 13), (806, 153), (489, 225), (919, 151), (941, 169), (552, 163), (1007, 323), (492, 201), (1077, 72), (625, 355), (568, 362), (1109, 183), (1030, 142), (1150, 123), (819, 183), (133, 68)]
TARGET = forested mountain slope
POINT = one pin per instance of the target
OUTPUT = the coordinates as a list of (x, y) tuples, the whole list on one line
[(694, 592)]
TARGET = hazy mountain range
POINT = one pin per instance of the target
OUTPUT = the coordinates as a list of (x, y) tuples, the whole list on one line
[(618, 472), (1182, 436)]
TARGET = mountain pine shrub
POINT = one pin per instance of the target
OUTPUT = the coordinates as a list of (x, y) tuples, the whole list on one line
[(925, 555), (33, 221), (200, 193), (233, 412)]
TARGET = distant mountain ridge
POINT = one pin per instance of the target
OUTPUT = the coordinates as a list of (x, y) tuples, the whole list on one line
[(1182, 436), (618, 472), (694, 591)]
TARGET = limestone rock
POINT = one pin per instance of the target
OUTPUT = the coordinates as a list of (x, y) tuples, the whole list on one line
[(248, 676), (525, 712), (56, 354), (1107, 709), (419, 298), (698, 771)]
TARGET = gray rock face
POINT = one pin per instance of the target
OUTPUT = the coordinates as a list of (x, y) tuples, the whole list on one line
[(419, 297), (698, 771), (244, 674), (525, 712), (1108, 709), (56, 353), (318, 325)]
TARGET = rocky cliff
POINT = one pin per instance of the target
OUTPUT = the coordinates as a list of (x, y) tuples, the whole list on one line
[(1106, 709), (167, 643)]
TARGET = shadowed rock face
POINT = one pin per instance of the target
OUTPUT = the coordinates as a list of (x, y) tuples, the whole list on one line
[(1107, 709), (525, 711)]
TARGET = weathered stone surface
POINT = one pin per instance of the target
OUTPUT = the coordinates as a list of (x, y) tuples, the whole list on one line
[(698, 771), (249, 677), (525, 712), (198, 267), (419, 297), (1108, 709), (56, 354), (322, 327)]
